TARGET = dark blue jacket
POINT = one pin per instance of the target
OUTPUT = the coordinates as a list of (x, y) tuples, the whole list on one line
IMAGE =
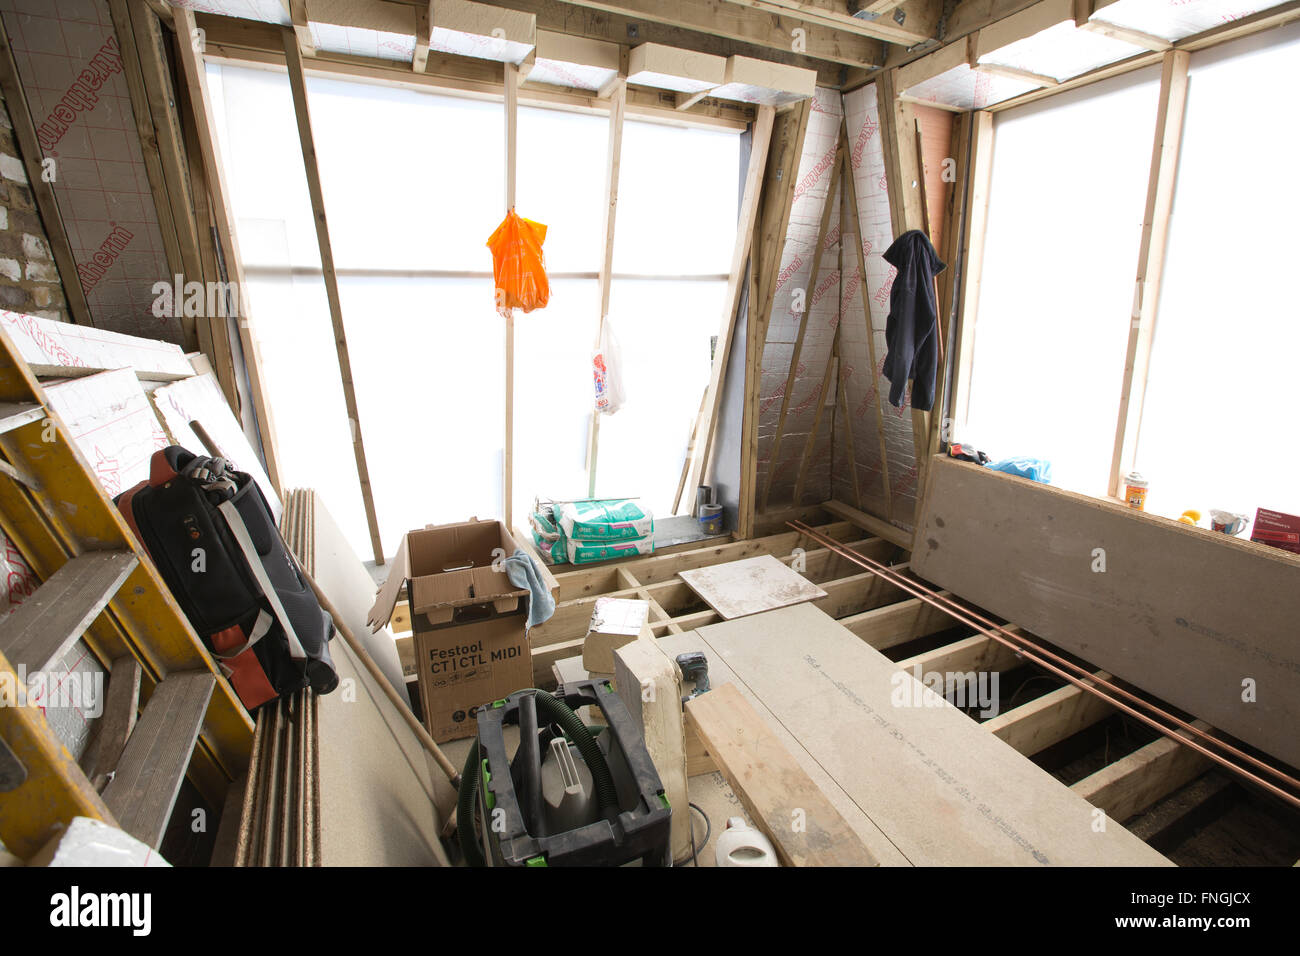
[(911, 337)]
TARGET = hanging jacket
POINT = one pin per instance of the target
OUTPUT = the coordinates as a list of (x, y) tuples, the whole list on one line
[(911, 338)]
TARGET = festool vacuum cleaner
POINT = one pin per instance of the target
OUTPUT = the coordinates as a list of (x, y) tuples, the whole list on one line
[(571, 795)]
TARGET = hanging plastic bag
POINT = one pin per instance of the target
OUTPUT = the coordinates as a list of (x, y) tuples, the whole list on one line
[(607, 371), (518, 264)]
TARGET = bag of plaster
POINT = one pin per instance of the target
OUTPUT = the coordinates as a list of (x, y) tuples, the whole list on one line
[(619, 519), (547, 536), (607, 371), (518, 265), (585, 552)]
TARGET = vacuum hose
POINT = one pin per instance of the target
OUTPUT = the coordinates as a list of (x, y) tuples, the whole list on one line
[(551, 710)]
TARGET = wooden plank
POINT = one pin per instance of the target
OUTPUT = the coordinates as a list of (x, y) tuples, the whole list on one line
[(870, 523), (1156, 617), (976, 653), (1131, 784), (707, 426), (121, 703), (510, 92), (750, 586), (942, 789), (1036, 725), (782, 799), (298, 86), (977, 188), (47, 203), (148, 778), (898, 623), (613, 163), (196, 88), (44, 626), (1151, 259)]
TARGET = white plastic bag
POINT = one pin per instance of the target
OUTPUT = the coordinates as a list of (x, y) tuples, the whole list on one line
[(607, 371)]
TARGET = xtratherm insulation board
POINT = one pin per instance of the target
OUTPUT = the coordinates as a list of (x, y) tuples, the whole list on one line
[(267, 11), (875, 231), (71, 70), (1063, 51), (795, 286), (1176, 19), (965, 89)]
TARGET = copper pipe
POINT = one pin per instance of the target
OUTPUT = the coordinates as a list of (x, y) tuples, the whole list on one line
[(1032, 651)]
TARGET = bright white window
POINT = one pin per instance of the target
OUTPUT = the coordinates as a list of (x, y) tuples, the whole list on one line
[(414, 185), (1221, 392), (1069, 179)]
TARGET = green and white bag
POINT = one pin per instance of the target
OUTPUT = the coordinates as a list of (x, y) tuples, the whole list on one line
[(618, 519)]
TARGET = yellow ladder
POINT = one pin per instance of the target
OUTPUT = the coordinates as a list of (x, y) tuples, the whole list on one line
[(100, 587)]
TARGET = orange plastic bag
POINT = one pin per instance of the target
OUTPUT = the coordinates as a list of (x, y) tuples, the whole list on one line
[(518, 264)]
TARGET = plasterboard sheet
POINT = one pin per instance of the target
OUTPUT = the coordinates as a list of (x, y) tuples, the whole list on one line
[(576, 76), (200, 399), (966, 89), (1176, 19), (267, 11), (357, 41), (745, 93), (796, 292), (442, 40), (49, 346), (70, 66), (1062, 51), (751, 586), (112, 424), (875, 231)]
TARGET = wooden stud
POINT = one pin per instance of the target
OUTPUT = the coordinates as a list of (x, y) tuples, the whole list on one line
[(972, 257), (1151, 259), (898, 623), (870, 523), (773, 460), (298, 86), (510, 84), (301, 29), (190, 58), (762, 138), (1034, 726), (47, 204), (167, 137), (613, 163), (423, 29), (852, 190), (1128, 786)]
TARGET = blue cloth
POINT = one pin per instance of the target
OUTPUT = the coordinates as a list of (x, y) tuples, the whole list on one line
[(523, 573), (1035, 469)]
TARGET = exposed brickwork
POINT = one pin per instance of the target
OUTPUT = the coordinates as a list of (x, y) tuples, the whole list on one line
[(29, 280)]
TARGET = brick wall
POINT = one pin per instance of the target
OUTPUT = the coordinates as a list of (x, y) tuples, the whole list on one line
[(29, 280)]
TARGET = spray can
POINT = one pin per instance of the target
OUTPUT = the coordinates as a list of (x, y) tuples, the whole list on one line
[(1135, 491)]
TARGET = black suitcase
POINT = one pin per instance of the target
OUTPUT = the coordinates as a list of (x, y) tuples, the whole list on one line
[(211, 534)]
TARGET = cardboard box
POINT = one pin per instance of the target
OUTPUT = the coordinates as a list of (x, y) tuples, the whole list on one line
[(467, 620), (1278, 529), (614, 622)]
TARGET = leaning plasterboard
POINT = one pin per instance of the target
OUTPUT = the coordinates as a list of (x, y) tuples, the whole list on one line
[(112, 424), (200, 399), (57, 348)]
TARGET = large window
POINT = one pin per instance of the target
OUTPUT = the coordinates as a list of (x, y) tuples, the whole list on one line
[(414, 185), (1060, 254), (1222, 392), (1068, 190)]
